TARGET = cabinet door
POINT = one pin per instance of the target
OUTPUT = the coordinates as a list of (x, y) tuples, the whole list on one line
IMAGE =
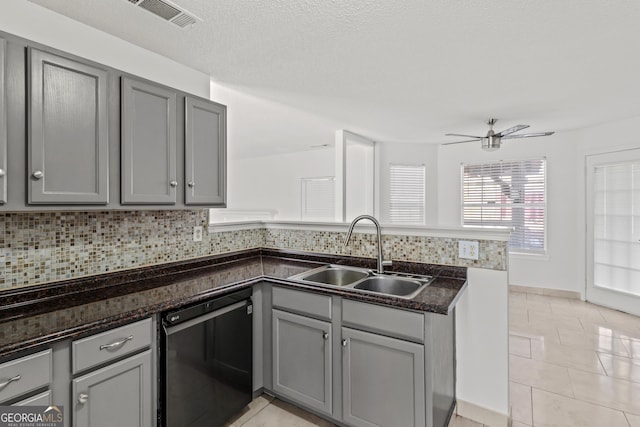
[(3, 127), (205, 152), (302, 359), (116, 395), (148, 121), (383, 380), (68, 135)]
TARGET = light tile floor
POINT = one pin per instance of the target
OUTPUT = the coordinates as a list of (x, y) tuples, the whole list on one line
[(571, 364)]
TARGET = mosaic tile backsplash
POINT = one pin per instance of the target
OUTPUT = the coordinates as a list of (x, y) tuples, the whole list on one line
[(50, 246), (430, 250)]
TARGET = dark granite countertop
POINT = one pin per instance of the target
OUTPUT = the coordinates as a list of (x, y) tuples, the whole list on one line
[(37, 316)]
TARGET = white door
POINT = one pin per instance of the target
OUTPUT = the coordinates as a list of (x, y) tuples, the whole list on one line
[(613, 230)]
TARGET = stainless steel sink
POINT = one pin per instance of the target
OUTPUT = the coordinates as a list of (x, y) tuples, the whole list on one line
[(333, 275), (395, 284), (391, 285)]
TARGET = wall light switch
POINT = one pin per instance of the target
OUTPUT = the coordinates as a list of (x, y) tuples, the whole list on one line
[(468, 250), (197, 233)]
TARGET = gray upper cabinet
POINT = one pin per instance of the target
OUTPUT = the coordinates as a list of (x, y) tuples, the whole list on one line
[(205, 152), (68, 138), (302, 360), (3, 126), (148, 144), (382, 381)]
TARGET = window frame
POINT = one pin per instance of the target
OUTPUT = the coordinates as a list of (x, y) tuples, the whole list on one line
[(545, 206)]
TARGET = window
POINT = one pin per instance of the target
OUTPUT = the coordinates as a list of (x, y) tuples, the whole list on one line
[(406, 194), (507, 193), (318, 199)]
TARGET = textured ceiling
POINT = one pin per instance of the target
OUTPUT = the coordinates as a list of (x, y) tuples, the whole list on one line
[(405, 70)]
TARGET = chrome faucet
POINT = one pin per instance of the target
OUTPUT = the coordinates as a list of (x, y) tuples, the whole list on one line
[(375, 222)]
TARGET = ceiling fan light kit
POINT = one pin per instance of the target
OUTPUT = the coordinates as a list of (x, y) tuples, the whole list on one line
[(490, 143), (493, 140)]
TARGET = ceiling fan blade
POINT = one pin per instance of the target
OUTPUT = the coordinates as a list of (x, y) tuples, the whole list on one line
[(466, 136), (528, 135), (460, 142), (511, 130)]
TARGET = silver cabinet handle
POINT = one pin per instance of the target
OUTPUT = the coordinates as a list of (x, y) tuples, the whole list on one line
[(173, 183), (325, 335), (344, 343), (1, 172), (116, 344), (191, 184), (83, 398), (9, 381), (38, 175)]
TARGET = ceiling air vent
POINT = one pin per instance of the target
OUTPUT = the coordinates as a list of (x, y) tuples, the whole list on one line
[(168, 11)]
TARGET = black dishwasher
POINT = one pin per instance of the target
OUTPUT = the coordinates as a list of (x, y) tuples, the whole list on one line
[(206, 357)]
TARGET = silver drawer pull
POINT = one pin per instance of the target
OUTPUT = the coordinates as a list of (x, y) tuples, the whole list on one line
[(116, 344), (9, 381), (344, 343), (1, 172), (173, 183), (37, 175), (83, 398), (325, 335)]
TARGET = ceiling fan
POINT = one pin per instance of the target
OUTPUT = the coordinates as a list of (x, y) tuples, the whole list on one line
[(492, 140)]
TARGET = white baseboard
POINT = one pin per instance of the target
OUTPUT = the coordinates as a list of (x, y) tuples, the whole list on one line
[(482, 415), (545, 291)]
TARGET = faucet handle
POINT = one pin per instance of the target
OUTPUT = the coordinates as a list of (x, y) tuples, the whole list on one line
[(387, 263)]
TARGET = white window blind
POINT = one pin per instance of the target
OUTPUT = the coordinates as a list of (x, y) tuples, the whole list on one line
[(507, 193), (318, 199), (406, 194)]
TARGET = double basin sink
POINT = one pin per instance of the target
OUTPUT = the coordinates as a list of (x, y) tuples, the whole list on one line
[(394, 284)]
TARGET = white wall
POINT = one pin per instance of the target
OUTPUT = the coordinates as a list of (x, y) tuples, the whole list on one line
[(426, 154), (564, 266), (482, 348), (558, 268), (273, 182), (33, 22)]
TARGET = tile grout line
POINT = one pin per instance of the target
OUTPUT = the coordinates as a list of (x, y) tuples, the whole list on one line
[(602, 364), (256, 414), (601, 405)]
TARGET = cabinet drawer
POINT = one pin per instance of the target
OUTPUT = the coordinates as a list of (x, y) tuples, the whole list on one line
[(42, 399), (24, 375), (315, 305), (384, 320), (109, 345)]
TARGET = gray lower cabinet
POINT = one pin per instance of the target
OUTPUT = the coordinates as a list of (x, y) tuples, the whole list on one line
[(382, 380), (22, 378), (116, 395), (205, 152), (302, 367), (3, 126), (68, 137), (148, 144)]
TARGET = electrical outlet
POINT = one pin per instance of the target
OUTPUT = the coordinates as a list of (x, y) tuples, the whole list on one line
[(197, 233), (468, 250)]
